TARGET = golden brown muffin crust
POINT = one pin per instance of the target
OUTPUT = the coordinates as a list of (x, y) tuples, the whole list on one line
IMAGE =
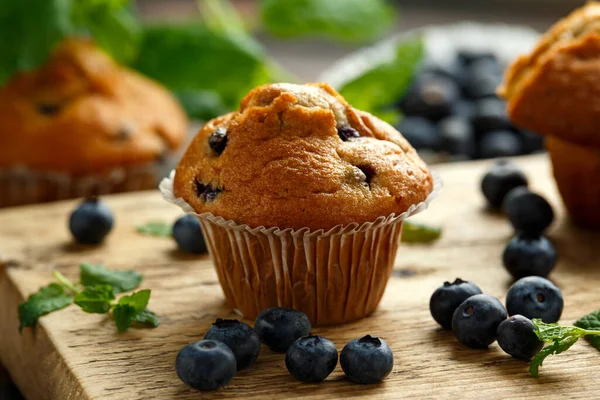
[(556, 89), (81, 113), (285, 166)]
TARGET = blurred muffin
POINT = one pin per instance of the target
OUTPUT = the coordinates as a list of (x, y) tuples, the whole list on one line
[(82, 125), (555, 91), (301, 198)]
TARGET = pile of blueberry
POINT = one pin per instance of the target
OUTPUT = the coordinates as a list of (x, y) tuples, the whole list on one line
[(452, 109), (231, 345), (93, 220), (529, 252), (478, 319)]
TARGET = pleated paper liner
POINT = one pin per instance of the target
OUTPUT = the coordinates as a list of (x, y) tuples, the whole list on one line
[(333, 276), (21, 186), (577, 175)]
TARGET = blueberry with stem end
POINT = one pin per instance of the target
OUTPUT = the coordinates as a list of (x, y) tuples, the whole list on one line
[(367, 360), (311, 358), (447, 298), (239, 337), (205, 365)]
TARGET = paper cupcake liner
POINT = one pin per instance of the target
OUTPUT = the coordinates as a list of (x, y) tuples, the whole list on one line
[(333, 276), (577, 174), (20, 185)]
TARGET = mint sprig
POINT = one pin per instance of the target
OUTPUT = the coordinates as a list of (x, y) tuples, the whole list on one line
[(155, 228), (591, 322), (95, 294), (560, 339)]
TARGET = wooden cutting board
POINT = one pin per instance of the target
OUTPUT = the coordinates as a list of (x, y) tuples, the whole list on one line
[(73, 355)]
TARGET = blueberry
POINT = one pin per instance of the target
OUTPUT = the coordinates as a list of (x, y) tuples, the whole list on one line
[(476, 320), (311, 358), (448, 297), (239, 337), (468, 56), (205, 365), (516, 336), (532, 142), (457, 136), (484, 66), (279, 328), (218, 140), (490, 115), (528, 212), (464, 109), (206, 193), (420, 133), (502, 177), (529, 256), (188, 235), (431, 97), (535, 297), (91, 221), (482, 85), (452, 70), (500, 144), (347, 132), (367, 360)]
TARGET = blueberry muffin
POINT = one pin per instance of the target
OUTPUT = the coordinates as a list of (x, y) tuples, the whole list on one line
[(301, 198), (555, 91), (83, 125)]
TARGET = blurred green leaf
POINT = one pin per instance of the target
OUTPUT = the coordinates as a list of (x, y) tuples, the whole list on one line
[(201, 105), (343, 20), (382, 85), (221, 16), (413, 232), (155, 228), (193, 57)]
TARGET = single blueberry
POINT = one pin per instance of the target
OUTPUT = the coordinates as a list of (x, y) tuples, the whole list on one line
[(528, 212), (239, 337), (205, 365), (516, 336), (367, 360), (533, 143), (448, 69), (279, 327), (463, 109), (457, 136), (420, 133), (467, 56), (218, 140), (448, 297), (489, 115), (91, 221), (500, 144), (347, 132), (529, 256), (502, 177), (476, 320), (311, 358), (205, 192), (188, 235), (535, 297), (482, 85), (430, 97)]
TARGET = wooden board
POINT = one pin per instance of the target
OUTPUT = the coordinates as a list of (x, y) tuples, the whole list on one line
[(79, 356)]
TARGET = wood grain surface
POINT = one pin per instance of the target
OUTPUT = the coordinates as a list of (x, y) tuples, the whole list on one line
[(72, 355)]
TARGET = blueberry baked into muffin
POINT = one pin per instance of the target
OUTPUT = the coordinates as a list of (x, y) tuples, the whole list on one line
[(555, 91), (301, 199), (82, 125)]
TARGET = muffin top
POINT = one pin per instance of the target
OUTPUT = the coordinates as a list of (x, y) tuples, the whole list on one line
[(554, 90), (298, 156), (82, 113)]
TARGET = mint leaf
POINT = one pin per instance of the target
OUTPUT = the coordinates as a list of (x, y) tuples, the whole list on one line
[(343, 20), (419, 233), (201, 105), (382, 85), (561, 339), (146, 318), (130, 308), (155, 228), (48, 299), (591, 322), (121, 281), (95, 299)]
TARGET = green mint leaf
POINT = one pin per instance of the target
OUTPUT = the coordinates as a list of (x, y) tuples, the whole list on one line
[(95, 299), (138, 300), (201, 105), (383, 84), (591, 322), (121, 281), (48, 299), (342, 20), (123, 315), (549, 333), (557, 347), (146, 318), (155, 228), (419, 233)]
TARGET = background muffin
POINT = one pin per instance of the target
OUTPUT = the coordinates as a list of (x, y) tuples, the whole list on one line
[(83, 125), (301, 199)]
